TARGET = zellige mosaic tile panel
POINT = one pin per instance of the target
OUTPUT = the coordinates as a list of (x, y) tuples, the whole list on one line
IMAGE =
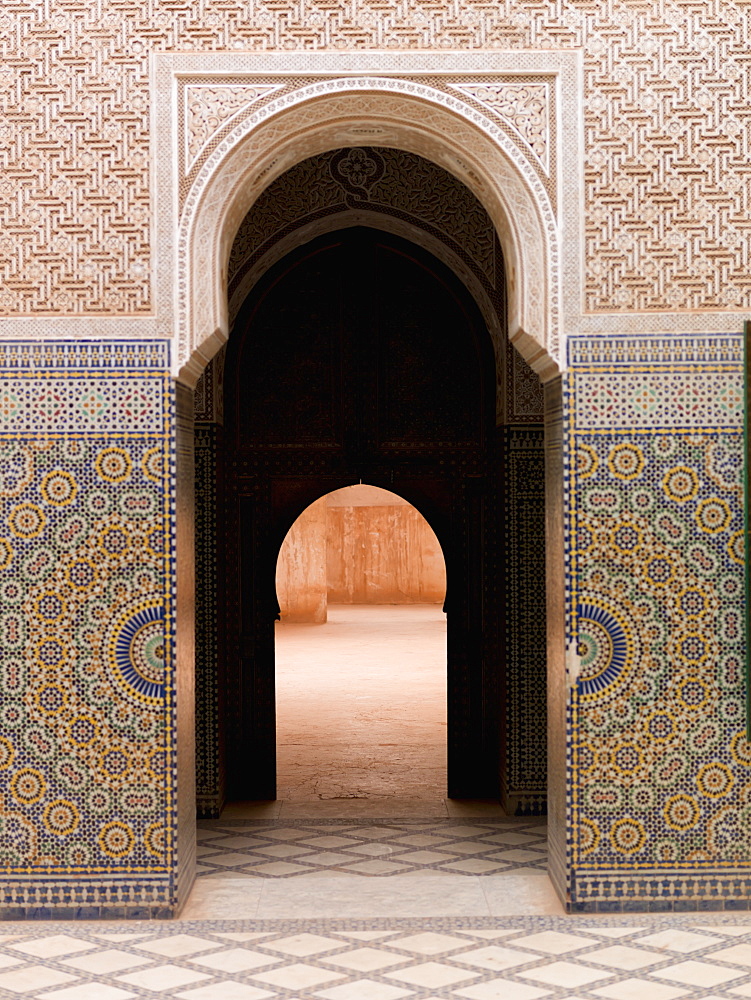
[(86, 501), (660, 765)]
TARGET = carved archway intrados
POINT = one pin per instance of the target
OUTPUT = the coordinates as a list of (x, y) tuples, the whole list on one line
[(257, 152)]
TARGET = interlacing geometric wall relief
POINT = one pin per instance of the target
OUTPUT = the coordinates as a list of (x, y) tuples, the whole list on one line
[(665, 112), (661, 769), (86, 623)]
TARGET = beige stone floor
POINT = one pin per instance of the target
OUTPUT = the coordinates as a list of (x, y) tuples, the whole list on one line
[(361, 706), (634, 957), (361, 723)]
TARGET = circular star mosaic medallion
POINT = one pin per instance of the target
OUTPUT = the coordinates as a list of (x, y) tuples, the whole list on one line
[(603, 648), (137, 653)]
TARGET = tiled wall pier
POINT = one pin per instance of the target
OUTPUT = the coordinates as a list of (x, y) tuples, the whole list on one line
[(659, 778), (87, 712)]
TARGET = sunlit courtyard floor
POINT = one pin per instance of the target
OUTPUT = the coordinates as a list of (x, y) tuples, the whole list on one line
[(361, 704)]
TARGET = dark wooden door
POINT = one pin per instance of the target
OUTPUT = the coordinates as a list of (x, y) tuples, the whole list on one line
[(361, 358)]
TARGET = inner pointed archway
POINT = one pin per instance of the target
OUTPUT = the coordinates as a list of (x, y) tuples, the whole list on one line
[(361, 357)]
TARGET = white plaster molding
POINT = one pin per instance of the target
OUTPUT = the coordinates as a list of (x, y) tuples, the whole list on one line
[(526, 108), (209, 107), (346, 111)]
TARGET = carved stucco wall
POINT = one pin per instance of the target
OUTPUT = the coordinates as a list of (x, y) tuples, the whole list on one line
[(666, 128)]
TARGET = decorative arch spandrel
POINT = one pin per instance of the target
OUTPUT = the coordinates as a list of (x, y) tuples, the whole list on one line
[(333, 113)]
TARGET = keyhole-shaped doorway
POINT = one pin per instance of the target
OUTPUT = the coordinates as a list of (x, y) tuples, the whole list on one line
[(360, 358), (361, 652)]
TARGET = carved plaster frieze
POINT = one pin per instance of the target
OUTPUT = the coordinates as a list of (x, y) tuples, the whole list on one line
[(654, 124), (209, 107), (525, 107), (331, 113)]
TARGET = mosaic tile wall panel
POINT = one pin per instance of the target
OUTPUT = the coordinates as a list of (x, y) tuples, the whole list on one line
[(208, 398), (86, 712), (526, 664), (209, 745), (660, 767)]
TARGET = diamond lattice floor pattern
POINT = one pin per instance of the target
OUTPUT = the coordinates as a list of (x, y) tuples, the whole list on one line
[(462, 959), (284, 850), (432, 887)]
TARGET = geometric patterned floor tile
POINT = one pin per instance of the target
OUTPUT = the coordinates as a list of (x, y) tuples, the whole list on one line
[(372, 850), (119, 936), (297, 976), (487, 935), (375, 866), (698, 973), (33, 977), (430, 943), (611, 932), (432, 975), (728, 929), (162, 977), (474, 866), (367, 935), (501, 989), (565, 974), (433, 958), (273, 869), (228, 990), (619, 956), (677, 940), (271, 849), (554, 943), (234, 960), (364, 989), (178, 945), (302, 945), (638, 989), (737, 954), (365, 960), (495, 958), (51, 947), (105, 962), (242, 935), (88, 991)]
